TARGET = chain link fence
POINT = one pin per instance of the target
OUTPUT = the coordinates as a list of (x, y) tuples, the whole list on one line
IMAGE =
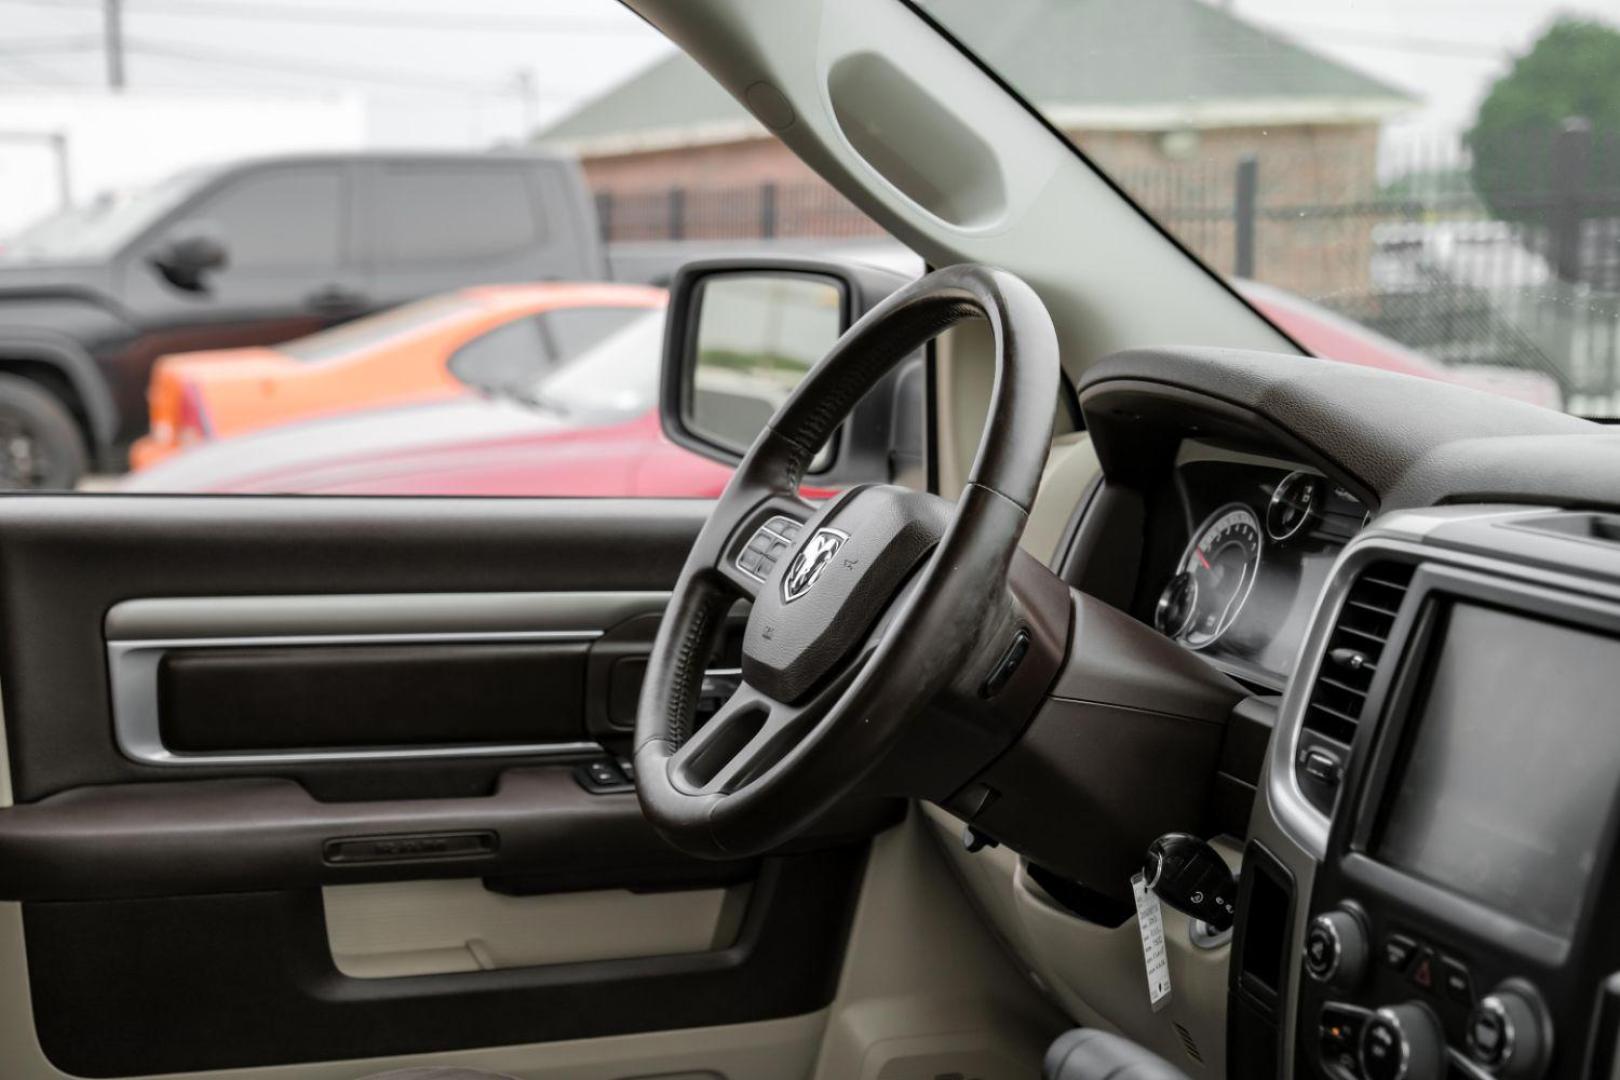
[(1523, 275)]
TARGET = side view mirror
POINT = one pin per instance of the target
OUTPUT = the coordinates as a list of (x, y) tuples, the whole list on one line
[(188, 254), (742, 333)]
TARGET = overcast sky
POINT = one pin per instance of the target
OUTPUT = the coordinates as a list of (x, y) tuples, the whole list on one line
[(450, 74)]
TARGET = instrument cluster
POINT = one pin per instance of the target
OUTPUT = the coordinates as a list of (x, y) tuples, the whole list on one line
[(1260, 542)]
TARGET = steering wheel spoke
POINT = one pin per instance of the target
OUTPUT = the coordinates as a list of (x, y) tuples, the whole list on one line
[(753, 731), (743, 739)]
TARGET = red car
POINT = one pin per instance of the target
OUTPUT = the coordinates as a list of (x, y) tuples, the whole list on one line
[(592, 428), (1332, 336)]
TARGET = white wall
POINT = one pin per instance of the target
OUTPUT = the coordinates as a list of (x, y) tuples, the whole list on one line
[(119, 141)]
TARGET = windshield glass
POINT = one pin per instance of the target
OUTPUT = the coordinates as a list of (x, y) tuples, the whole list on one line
[(1420, 185), (98, 229)]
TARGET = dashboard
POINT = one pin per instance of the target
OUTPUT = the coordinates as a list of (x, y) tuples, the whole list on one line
[(1415, 593), (1419, 593), (1457, 890), (1449, 811), (1254, 541)]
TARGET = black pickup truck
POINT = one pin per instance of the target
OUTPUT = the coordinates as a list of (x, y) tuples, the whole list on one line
[(250, 254)]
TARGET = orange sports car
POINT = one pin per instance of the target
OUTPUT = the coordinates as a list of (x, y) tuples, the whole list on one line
[(486, 336)]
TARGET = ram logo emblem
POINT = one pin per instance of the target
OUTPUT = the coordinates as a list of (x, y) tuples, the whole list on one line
[(806, 567)]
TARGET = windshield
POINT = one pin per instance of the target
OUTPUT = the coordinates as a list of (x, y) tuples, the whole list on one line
[(100, 228), (1419, 185)]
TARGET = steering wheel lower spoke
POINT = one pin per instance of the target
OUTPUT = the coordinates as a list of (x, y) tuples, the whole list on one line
[(740, 741)]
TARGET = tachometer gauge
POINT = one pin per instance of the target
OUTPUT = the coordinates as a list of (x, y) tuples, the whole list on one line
[(1294, 502), (1221, 562)]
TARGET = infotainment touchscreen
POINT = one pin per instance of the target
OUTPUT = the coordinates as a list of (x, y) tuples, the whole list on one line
[(1509, 765)]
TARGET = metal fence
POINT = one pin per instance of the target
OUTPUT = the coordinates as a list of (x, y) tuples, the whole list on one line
[(760, 211), (1525, 275)]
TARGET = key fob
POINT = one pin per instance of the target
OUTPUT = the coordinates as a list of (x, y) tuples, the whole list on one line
[(1191, 877)]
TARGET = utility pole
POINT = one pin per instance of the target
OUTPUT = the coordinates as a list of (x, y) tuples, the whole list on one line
[(58, 142), (527, 91), (113, 35)]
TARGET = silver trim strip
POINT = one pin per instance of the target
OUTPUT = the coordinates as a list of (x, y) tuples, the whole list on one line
[(1294, 814), (388, 613), (1402, 534), (140, 632), (132, 668)]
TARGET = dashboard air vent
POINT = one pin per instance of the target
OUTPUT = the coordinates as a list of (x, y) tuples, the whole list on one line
[(1355, 649), (1339, 694)]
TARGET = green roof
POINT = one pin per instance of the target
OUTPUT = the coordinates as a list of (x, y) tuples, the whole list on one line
[(1075, 59)]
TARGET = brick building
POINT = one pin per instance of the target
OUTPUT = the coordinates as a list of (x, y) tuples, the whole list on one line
[(1168, 96)]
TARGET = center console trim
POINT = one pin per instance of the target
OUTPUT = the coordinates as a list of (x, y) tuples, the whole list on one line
[(1399, 535), (1472, 554)]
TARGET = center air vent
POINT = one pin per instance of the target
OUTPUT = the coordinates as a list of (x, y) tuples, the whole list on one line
[(1339, 695)]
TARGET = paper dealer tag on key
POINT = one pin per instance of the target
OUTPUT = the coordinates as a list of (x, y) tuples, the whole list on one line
[(1150, 919)]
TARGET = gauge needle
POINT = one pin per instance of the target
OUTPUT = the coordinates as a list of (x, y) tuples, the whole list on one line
[(1203, 561)]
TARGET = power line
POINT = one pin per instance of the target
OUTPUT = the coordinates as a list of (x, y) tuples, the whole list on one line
[(36, 72), (238, 59), (65, 43), (360, 18), (1401, 42), (188, 52)]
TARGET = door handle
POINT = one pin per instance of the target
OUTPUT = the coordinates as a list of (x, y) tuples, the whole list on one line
[(335, 299)]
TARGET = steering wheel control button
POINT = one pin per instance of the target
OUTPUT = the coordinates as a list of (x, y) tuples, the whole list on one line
[(767, 546), (1336, 948), (1507, 1032), (1398, 952), (1007, 666), (1403, 1042)]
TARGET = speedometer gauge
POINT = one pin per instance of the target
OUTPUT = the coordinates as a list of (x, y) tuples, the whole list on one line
[(1221, 562)]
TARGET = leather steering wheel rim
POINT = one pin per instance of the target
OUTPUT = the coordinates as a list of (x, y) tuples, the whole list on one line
[(886, 635)]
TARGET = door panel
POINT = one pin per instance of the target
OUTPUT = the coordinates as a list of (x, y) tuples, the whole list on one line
[(232, 679), (307, 780), (437, 927), (66, 562), (347, 697), (130, 987)]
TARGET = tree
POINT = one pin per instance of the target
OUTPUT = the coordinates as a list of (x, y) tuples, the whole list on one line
[(1572, 71)]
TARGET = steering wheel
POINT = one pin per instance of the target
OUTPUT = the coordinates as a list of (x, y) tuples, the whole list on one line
[(864, 607)]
